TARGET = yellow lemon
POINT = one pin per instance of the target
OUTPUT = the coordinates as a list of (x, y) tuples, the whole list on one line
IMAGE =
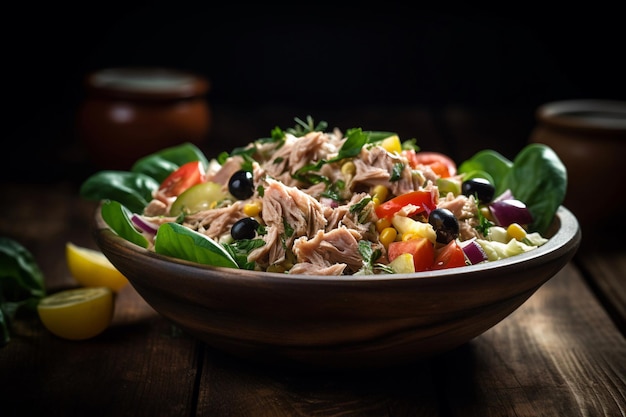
[(77, 314), (92, 269)]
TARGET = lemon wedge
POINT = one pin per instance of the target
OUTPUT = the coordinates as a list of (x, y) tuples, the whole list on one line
[(92, 269), (77, 314)]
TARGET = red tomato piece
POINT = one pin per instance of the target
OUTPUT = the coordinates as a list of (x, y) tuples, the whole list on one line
[(185, 176), (422, 249), (441, 164), (423, 200), (449, 256)]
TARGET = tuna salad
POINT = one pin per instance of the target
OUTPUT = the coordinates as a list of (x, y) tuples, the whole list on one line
[(311, 201)]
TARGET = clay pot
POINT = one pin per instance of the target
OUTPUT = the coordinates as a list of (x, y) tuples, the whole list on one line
[(590, 138), (132, 112)]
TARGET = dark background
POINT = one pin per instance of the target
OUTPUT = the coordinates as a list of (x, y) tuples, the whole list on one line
[(268, 64)]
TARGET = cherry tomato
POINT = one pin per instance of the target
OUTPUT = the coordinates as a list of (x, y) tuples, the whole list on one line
[(423, 200), (441, 164), (185, 176), (449, 256), (422, 249)]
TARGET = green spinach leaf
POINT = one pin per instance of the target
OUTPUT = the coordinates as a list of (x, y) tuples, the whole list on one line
[(162, 163), (178, 241), (21, 284), (133, 190), (539, 179), (118, 218), (487, 164)]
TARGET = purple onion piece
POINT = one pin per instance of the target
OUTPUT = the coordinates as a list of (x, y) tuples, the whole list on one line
[(474, 252), (144, 225), (506, 212)]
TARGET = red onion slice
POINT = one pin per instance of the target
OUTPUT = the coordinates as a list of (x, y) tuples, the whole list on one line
[(474, 252), (144, 225), (510, 211)]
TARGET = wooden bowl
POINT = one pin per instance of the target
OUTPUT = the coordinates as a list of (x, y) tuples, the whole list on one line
[(346, 322)]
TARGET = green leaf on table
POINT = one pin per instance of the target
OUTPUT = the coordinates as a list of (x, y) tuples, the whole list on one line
[(21, 284)]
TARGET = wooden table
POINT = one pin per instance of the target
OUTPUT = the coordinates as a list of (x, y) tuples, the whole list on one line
[(563, 353)]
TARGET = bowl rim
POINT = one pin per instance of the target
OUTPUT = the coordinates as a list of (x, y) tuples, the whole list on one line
[(566, 239)]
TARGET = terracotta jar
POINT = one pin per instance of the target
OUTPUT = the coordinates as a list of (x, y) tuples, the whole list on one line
[(128, 113), (590, 138)]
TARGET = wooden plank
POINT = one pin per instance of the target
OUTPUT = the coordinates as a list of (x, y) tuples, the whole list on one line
[(234, 387), (559, 354), (140, 366), (605, 272)]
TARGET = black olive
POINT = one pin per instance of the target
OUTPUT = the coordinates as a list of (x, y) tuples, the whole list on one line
[(445, 224), (480, 188), (244, 228), (240, 185)]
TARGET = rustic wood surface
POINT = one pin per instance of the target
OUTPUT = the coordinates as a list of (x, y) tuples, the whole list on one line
[(561, 353)]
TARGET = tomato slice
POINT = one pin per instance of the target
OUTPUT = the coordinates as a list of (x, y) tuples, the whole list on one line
[(441, 164), (449, 256), (422, 200), (185, 176), (422, 249)]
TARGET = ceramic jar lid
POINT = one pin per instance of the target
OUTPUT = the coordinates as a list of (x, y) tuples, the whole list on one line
[(585, 114), (146, 83)]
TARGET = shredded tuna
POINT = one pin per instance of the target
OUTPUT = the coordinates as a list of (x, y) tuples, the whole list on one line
[(288, 214), (215, 222), (376, 166), (314, 199), (465, 210), (338, 246)]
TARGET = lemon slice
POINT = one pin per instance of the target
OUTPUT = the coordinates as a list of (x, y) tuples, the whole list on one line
[(92, 269), (77, 314)]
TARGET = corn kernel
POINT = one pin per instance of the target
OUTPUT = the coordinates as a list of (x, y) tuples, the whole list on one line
[(382, 224), (486, 213), (348, 169), (379, 192), (252, 209), (516, 231), (387, 236)]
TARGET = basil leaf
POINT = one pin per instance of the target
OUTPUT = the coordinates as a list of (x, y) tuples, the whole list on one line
[(178, 241), (377, 136), (131, 189), (355, 141), (118, 218), (162, 163), (539, 179), (240, 249), (21, 284)]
